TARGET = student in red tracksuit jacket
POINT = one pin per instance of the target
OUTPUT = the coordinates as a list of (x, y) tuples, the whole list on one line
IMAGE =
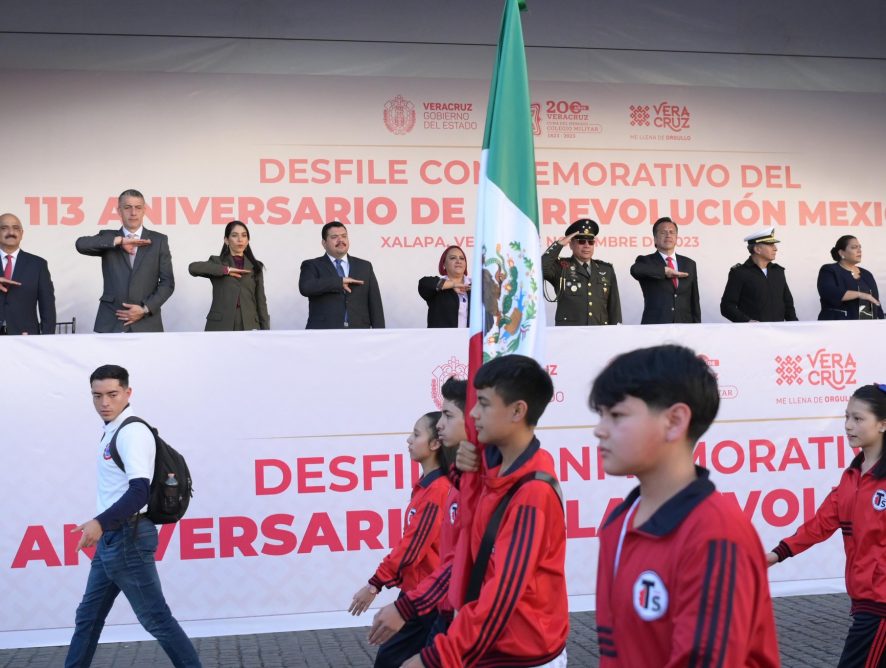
[(432, 593), (417, 554), (681, 578), (520, 617), (856, 507)]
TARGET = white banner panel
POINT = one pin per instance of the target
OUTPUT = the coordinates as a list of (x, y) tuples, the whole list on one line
[(296, 441), (397, 159)]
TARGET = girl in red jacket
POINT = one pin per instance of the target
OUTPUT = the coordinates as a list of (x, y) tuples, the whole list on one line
[(418, 553), (857, 506)]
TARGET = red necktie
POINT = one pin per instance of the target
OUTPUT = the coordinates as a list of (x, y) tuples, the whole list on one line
[(7, 272), (670, 262)]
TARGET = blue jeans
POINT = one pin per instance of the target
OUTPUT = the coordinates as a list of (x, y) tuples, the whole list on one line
[(124, 561)]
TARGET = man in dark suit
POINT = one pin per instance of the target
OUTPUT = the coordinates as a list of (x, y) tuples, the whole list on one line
[(669, 281), (341, 289), (25, 287), (757, 290), (137, 270)]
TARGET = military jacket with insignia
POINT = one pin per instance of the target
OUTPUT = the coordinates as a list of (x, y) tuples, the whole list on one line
[(584, 296)]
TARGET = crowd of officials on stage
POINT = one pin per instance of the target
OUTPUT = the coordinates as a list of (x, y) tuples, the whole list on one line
[(342, 290)]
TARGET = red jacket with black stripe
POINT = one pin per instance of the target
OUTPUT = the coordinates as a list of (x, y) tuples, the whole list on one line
[(418, 553), (432, 593), (687, 588), (521, 616), (857, 506)]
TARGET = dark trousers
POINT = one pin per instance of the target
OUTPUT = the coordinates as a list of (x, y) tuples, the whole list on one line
[(866, 642), (440, 625), (406, 643)]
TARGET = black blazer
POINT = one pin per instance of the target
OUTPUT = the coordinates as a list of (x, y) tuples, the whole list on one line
[(149, 281), (752, 295), (833, 282), (442, 304), (327, 300), (20, 304), (662, 303)]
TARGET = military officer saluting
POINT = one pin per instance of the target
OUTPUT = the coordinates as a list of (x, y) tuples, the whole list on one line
[(586, 289), (756, 291)]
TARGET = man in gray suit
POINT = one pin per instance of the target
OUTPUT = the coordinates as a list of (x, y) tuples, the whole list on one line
[(137, 270)]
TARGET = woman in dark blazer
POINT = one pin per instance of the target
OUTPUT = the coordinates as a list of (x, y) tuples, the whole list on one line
[(238, 287), (447, 294), (847, 291)]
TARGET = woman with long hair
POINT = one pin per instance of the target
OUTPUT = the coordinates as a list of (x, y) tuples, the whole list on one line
[(847, 291), (857, 506), (238, 286)]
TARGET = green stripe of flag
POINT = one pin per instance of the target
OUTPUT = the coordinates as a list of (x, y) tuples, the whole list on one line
[(508, 136)]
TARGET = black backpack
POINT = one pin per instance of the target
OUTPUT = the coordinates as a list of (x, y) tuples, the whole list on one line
[(171, 489)]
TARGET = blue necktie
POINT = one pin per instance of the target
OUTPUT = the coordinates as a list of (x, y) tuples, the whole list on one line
[(341, 272)]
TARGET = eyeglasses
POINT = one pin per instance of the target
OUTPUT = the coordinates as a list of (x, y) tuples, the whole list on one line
[(581, 241)]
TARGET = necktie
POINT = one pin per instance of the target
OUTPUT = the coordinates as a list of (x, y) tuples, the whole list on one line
[(585, 265), (670, 262), (129, 235), (341, 272), (7, 272)]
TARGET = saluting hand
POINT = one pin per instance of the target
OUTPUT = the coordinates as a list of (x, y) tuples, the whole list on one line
[(237, 273), (564, 241), (673, 273), (131, 244), (7, 281), (347, 280)]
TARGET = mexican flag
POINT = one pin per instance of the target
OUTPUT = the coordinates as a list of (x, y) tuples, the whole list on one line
[(507, 311)]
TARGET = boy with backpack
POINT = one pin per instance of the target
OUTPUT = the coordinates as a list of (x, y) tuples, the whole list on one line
[(125, 546), (516, 610), (681, 578)]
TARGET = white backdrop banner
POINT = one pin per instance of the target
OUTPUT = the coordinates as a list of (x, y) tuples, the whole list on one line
[(397, 159), (296, 441)]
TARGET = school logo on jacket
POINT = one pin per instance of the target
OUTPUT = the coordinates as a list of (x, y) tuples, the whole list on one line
[(879, 500), (107, 453), (453, 513), (650, 596), (410, 516)]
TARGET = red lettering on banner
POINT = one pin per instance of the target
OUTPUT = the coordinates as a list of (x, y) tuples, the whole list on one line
[(765, 459), (36, 546), (189, 537), (335, 468), (750, 505), (164, 536), (395, 522), (794, 454), (582, 467), (271, 528), (303, 475), (717, 454), (370, 473), (236, 533), (320, 533), (789, 498), (358, 534), (261, 488), (573, 522)]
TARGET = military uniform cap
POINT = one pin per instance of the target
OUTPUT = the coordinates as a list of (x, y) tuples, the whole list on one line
[(585, 228), (766, 236)]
